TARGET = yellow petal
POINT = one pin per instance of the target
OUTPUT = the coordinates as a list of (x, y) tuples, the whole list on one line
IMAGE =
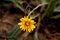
[(24, 27)]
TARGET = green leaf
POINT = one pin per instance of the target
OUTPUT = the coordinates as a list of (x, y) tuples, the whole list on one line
[(13, 31), (58, 1), (43, 1), (50, 8)]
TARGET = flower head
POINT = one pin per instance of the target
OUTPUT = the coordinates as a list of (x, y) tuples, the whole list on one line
[(26, 24)]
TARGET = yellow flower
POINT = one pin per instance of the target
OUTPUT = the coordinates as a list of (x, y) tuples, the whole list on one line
[(27, 24)]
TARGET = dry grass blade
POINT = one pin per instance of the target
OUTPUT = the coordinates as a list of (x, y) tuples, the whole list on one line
[(35, 16), (36, 31), (55, 17), (36, 8), (36, 36)]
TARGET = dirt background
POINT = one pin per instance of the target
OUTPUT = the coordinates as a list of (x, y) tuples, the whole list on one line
[(9, 17)]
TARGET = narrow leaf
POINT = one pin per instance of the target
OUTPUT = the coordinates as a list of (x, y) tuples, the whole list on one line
[(55, 17), (50, 8), (18, 32), (13, 32), (43, 1)]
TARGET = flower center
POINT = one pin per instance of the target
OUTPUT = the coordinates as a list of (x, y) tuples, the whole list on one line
[(27, 23)]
